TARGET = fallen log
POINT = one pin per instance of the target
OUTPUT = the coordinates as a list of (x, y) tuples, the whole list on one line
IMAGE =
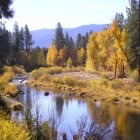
[(10, 103)]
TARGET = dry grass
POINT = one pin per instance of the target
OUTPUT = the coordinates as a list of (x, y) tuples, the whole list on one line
[(120, 91), (5, 78)]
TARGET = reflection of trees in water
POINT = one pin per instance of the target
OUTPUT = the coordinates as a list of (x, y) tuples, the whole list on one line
[(28, 96), (119, 117), (103, 123), (90, 129), (59, 105), (127, 123), (133, 126), (98, 113), (66, 100)]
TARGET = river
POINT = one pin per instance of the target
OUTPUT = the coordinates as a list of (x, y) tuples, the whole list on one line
[(69, 110)]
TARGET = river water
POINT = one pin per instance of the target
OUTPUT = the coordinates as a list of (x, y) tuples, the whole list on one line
[(68, 111)]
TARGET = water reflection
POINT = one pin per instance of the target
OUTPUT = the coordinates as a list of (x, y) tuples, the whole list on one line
[(69, 110), (59, 105)]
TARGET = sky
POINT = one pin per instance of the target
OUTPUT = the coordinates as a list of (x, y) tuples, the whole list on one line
[(38, 14)]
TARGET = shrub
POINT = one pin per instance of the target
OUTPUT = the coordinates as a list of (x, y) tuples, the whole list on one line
[(45, 78), (7, 69), (54, 70), (69, 80), (116, 84), (81, 83), (137, 88), (8, 76), (104, 81), (11, 90), (18, 70), (5, 87), (69, 63), (93, 83), (4, 80), (135, 75), (11, 131), (35, 74), (73, 69), (57, 80)]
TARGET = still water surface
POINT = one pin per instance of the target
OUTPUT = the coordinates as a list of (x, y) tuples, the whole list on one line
[(69, 110)]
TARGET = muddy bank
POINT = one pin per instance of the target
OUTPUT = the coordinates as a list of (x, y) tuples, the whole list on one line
[(8, 100), (10, 103)]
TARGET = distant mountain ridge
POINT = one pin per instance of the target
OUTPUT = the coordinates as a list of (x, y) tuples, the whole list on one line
[(44, 37)]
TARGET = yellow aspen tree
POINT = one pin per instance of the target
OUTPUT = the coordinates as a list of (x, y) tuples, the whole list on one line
[(92, 53), (119, 47), (83, 55), (69, 63), (104, 42), (52, 55), (63, 55), (48, 57)]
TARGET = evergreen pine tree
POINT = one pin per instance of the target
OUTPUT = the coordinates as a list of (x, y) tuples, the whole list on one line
[(22, 39), (16, 43), (59, 37), (5, 10), (28, 38), (133, 34)]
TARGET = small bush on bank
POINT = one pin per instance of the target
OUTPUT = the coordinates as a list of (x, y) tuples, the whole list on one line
[(69, 80), (137, 88), (57, 80), (104, 81), (116, 84), (69, 63), (18, 70), (7, 69), (11, 90), (11, 131), (81, 83), (14, 69), (5, 78), (54, 70), (135, 75), (73, 69), (45, 78), (93, 83), (35, 74)]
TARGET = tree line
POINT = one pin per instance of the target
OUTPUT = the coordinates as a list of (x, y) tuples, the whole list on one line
[(16, 48), (116, 48)]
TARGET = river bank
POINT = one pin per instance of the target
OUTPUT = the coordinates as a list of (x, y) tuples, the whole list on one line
[(124, 92)]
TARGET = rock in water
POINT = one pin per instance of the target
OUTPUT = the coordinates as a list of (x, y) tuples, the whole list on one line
[(46, 93)]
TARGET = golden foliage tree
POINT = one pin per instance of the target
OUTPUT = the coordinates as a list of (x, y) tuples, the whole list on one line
[(92, 53), (119, 56), (105, 43), (63, 55), (52, 55), (69, 63), (81, 56)]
